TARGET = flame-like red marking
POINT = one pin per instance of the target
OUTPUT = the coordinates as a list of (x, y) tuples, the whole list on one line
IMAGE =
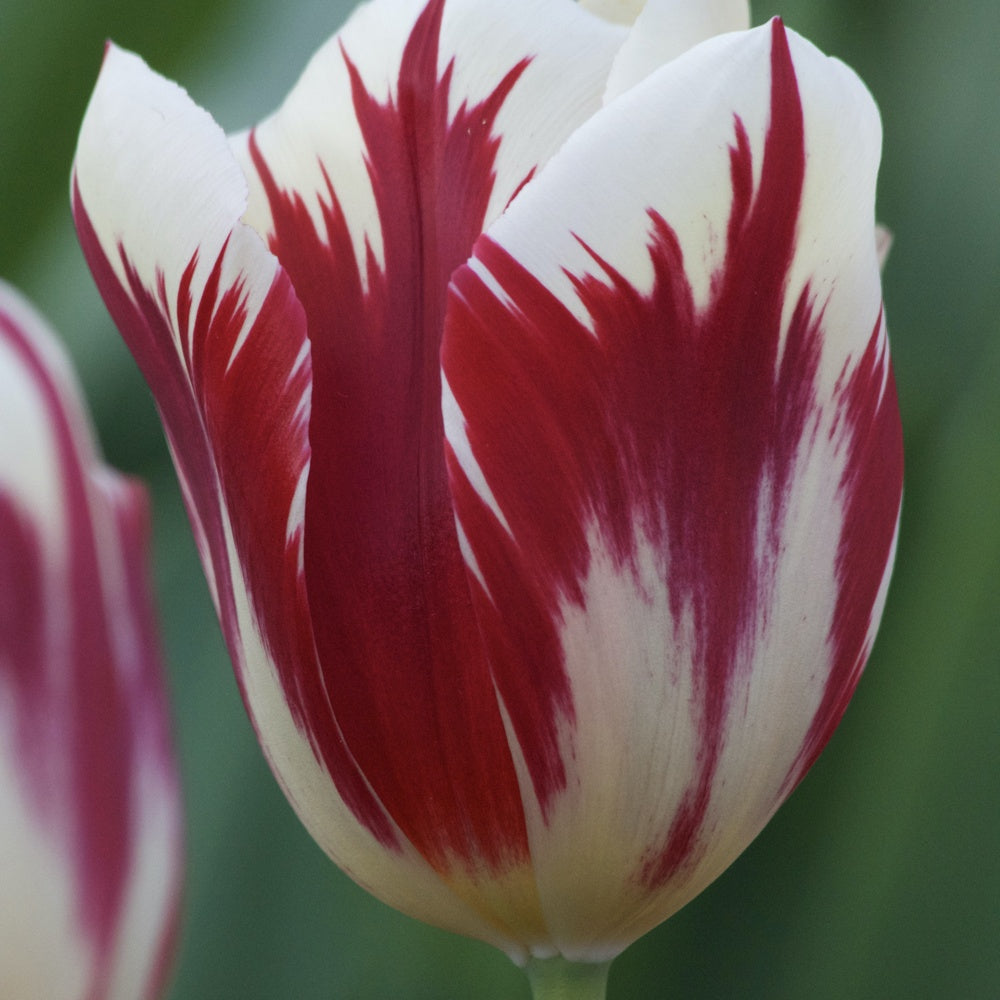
[(870, 490), (22, 640), (404, 678)]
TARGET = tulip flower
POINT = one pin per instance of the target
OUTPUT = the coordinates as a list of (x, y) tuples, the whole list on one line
[(527, 380), (90, 840)]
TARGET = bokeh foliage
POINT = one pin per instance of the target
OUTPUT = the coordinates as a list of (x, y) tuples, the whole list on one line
[(881, 877)]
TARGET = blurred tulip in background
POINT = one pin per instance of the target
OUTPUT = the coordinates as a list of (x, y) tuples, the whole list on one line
[(90, 813)]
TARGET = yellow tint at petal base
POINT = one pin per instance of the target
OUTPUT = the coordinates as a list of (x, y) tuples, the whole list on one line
[(508, 901)]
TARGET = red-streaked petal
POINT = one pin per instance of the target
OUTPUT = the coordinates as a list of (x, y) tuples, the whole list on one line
[(90, 829), (220, 336), (676, 461), (157, 198), (408, 133)]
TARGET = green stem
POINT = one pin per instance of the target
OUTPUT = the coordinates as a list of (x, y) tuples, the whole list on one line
[(557, 979)]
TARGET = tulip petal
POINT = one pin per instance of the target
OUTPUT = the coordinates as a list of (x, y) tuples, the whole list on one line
[(676, 459), (408, 133), (616, 11), (90, 825), (220, 336), (664, 30)]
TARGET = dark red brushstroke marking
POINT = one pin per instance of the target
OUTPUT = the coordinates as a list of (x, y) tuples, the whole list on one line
[(870, 488), (22, 638), (94, 712), (668, 419), (237, 441), (406, 680)]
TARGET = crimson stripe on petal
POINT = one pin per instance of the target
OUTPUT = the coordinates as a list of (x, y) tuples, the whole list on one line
[(870, 490), (143, 318), (403, 667), (22, 650)]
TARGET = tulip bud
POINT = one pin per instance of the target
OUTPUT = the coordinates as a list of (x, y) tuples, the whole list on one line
[(528, 384)]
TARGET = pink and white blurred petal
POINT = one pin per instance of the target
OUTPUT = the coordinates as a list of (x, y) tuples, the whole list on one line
[(676, 462), (90, 825)]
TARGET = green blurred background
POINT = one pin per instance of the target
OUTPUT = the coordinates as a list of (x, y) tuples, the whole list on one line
[(881, 876)]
